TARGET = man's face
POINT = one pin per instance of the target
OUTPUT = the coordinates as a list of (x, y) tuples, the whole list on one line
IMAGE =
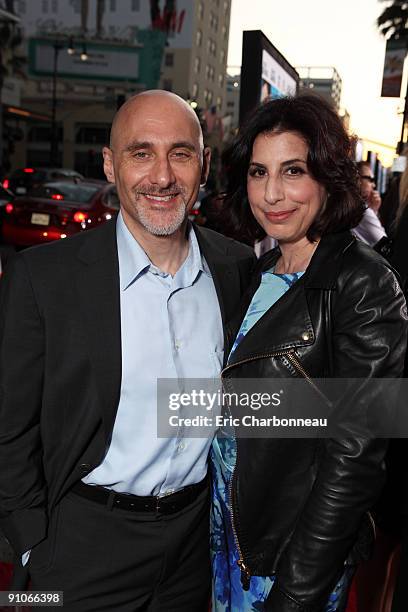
[(157, 164), (367, 182)]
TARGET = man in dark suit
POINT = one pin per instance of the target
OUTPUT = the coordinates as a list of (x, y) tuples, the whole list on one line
[(94, 503)]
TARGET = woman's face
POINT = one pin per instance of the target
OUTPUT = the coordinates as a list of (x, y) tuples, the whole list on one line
[(283, 195)]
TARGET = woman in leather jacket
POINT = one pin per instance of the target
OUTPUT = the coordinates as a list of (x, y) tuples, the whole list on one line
[(287, 512)]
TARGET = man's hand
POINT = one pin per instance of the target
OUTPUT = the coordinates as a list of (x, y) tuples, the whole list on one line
[(375, 201)]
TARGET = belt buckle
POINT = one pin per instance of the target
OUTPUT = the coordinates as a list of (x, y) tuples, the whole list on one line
[(159, 498)]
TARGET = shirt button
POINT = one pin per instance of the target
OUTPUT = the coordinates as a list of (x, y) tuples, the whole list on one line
[(177, 344), (181, 447)]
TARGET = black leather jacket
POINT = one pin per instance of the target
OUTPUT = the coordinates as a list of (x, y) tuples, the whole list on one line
[(298, 504)]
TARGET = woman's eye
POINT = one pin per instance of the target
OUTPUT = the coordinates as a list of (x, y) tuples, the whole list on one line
[(295, 171), (257, 172)]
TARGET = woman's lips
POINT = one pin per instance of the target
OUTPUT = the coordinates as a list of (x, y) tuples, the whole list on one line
[(279, 216)]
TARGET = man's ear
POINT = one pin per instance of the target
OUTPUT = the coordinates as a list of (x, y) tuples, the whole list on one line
[(108, 164), (206, 165)]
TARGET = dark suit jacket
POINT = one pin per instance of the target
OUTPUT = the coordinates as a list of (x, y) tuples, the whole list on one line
[(60, 365)]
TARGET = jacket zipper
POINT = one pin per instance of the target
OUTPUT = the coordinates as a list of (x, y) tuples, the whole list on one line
[(290, 354), (245, 571)]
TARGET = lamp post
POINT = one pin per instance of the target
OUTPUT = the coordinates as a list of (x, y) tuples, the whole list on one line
[(57, 46)]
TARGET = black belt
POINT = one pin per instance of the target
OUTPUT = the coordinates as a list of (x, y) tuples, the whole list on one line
[(165, 504)]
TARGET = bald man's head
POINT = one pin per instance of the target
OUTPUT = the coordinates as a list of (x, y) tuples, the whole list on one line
[(165, 101), (157, 161)]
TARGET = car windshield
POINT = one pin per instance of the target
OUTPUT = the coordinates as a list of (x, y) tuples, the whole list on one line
[(73, 192)]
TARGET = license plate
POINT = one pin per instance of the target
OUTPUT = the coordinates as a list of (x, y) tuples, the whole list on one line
[(21, 190), (40, 219)]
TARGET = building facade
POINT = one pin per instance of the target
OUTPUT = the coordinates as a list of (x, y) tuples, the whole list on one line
[(85, 57), (322, 80)]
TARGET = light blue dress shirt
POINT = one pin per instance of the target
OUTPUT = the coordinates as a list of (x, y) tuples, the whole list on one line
[(171, 328)]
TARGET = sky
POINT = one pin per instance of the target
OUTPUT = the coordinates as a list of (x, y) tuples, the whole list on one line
[(339, 33)]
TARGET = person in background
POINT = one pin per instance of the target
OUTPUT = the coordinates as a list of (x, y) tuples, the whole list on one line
[(369, 230), (288, 514)]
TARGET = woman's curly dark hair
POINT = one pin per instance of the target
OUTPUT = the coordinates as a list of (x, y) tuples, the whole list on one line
[(330, 161)]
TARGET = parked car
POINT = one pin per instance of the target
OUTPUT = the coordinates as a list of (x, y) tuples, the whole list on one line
[(20, 181), (5, 196), (57, 210)]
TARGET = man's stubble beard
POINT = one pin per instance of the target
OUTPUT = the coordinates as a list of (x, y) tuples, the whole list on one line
[(144, 215)]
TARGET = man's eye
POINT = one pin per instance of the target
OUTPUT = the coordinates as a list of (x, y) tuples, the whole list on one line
[(257, 172), (181, 154), (140, 154)]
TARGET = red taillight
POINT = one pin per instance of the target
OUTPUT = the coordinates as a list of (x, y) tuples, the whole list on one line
[(57, 196), (28, 170), (9, 208), (79, 217), (6, 183)]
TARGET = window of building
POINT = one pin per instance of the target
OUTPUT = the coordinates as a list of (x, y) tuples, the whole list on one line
[(42, 133), (205, 95), (220, 80), (200, 10), (195, 90), (112, 5), (77, 6), (169, 59), (22, 6), (213, 48), (209, 45), (213, 21), (168, 84), (199, 38), (222, 56), (45, 6), (212, 73), (54, 6), (135, 5), (209, 98), (197, 64), (92, 133), (230, 104), (226, 6)]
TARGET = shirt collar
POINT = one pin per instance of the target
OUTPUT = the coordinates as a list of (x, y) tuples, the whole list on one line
[(133, 261)]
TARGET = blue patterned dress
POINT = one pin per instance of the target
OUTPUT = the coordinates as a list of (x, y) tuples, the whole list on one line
[(228, 594)]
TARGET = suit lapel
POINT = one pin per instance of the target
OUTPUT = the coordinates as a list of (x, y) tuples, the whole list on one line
[(99, 299), (225, 274)]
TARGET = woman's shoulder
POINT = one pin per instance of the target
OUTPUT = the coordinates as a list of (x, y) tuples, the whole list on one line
[(360, 255), (365, 270)]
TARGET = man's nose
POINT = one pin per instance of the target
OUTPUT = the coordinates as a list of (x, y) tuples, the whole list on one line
[(274, 190), (161, 173)]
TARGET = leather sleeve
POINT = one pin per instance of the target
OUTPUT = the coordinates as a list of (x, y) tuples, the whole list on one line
[(22, 488), (369, 334)]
